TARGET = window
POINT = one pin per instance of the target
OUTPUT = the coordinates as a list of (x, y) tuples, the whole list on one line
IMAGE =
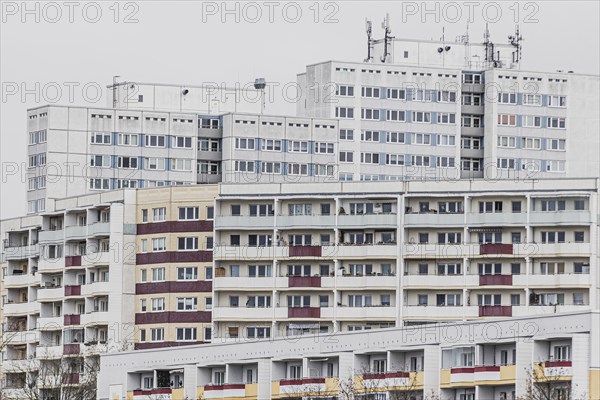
[(209, 243), (370, 92), (395, 115), (207, 144), (187, 303), (209, 123), (128, 139), (447, 96), (157, 334), (555, 122), (99, 138), (552, 205), (446, 118), (143, 305), (489, 237), (443, 300), (271, 145), (295, 146), (553, 237), (260, 240), (490, 269), (98, 184), (182, 142), (505, 163), (300, 209), (532, 121), (422, 138), (423, 238), (158, 244), (369, 114), (186, 334), (298, 301), (187, 273), (449, 269), (369, 136), (359, 300), (423, 269), (261, 210), (257, 271), (489, 299), (395, 137), (99, 161), (422, 95), (188, 213), (258, 333), (244, 166), (345, 90), (579, 237), (507, 120), (557, 101), (579, 205), (421, 161), (532, 100), (236, 209), (369, 158), (507, 98), (346, 134), (244, 144), (154, 163), (159, 214), (555, 166), (515, 300), (472, 78), (396, 94), (259, 301), (422, 299), (469, 99), (507, 141), (158, 274), (187, 243), (158, 304), (446, 140), (556, 144), (346, 156), (344, 112), (552, 268), (421, 116), (394, 159), (181, 164), (449, 237), (155, 140), (515, 237), (578, 299), (208, 273), (562, 353)]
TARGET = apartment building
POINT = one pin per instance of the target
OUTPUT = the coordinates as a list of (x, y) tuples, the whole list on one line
[(68, 291), (294, 259), (174, 272), (493, 360)]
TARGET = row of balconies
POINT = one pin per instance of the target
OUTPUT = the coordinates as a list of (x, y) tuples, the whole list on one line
[(97, 258), (75, 232), (409, 250), (386, 312), (21, 252), (407, 281), (410, 220)]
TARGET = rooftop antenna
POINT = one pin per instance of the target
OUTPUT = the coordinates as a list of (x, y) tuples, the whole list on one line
[(464, 39), (490, 56), (515, 40), (114, 90), (388, 37), (369, 27)]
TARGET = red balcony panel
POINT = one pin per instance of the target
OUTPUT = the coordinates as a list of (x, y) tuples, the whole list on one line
[(71, 348), (73, 290), (172, 317), (495, 311), (495, 280), (386, 375), (173, 287), (234, 386), (304, 312), (462, 370), (73, 261), (555, 364), (160, 345), (175, 227), (72, 319), (305, 381), (151, 392), (164, 257), (304, 281), (305, 251), (71, 379), (487, 368), (495, 248)]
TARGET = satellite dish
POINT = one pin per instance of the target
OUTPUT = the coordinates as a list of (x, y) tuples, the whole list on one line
[(440, 49), (185, 91), (447, 48)]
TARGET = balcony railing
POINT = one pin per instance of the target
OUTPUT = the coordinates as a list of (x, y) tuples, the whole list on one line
[(73, 261), (71, 348), (304, 281), (72, 319), (495, 249), (304, 312), (305, 251), (486, 280), (73, 290), (495, 311)]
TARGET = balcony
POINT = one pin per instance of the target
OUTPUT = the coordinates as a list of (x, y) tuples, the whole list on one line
[(306, 221), (553, 218), (439, 313), (305, 385), (434, 220), (365, 221), (50, 323), (75, 232), (178, 286), (51, 264), (72, 319), (70, 379), (553, 249), (95, 288), (23, 308), (73, 261), (462, 374), (72, 290), (495, 311), (71, 348), (21, 337), (365, 281), (305, 251), (99, 258), (496, 219), (95, 318), (250, 253), (51, 236), (361, 313), (250, 283), (20, 365), (558, 369), (386, 380), (47, 294), (522, 311), (244, 222), (427, 250), (494, 374), (49, 351), (99, 229), (496, 249), (21, 252), (20, 280), (362, 251), (551, 281), (304, 281), (225, 391), (152, 394), (495, 280), (304, 312), (439, 281)]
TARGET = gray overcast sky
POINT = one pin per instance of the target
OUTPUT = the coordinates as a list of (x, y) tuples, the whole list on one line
[(195, 42)]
